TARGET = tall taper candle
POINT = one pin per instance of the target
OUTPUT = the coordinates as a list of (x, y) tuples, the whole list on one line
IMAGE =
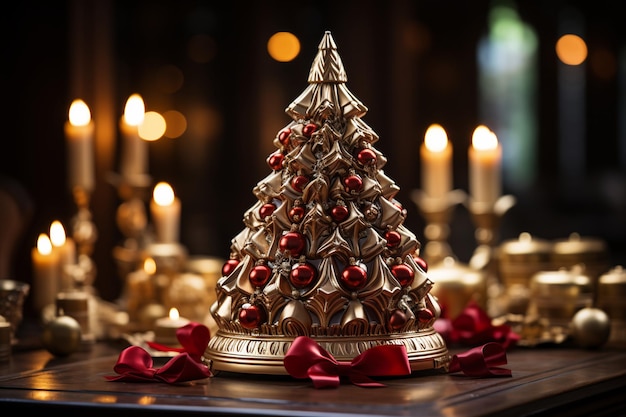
[(436, 161), (485, 156), (134, 159), (45, 273), (79, 135), (165, 212)]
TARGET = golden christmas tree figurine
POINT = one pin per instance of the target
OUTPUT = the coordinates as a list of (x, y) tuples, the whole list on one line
[(324, 252)]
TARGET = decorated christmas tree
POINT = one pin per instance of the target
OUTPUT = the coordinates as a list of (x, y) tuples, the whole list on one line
[(324, 252)]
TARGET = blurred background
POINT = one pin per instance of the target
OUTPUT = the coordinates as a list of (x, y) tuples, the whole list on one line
[(205, 67)]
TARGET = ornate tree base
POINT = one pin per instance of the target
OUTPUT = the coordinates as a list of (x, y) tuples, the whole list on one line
[(256, 354)]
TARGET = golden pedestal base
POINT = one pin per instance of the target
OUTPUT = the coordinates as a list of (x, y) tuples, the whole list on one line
[(243, 353)]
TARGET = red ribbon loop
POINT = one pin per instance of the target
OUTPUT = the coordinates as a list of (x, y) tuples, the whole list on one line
[(193, 337), (306, 358), (481, 362), (136, 365)]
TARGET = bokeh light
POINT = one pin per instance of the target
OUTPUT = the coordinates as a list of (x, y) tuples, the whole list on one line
[(175, 124), (571, 49), (283, 46), (153, 126)]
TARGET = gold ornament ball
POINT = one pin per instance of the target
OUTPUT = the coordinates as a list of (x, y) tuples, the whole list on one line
[(591, 327), (61, 336)]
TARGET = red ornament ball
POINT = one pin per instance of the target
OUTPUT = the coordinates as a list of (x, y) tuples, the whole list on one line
[(266, 210), (366, 156), (229, 266), (293, 243), (283, 136), (259, 275), (421, 263), (339, 213), (298, 182), (425, 315), (296, 214), (397, 319), (403, 273), (353, 183), (275, 161), (354, 277), (302, 275), (251, 316), (393, 238), (308, 129)]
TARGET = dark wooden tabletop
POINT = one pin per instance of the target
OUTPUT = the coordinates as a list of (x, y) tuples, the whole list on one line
[(546, 381)]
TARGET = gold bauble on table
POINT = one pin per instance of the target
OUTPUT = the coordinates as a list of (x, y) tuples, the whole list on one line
[(62, 336), (591, 327)]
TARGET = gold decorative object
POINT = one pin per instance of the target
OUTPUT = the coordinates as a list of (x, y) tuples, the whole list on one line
[(61, 336), (324, 252), (590, 327), (591, 252), (85, 234), (611, 298), (519, 259), (457, 285), (556, 296)]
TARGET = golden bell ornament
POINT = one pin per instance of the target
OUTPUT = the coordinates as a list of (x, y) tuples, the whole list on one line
[(62, 336)]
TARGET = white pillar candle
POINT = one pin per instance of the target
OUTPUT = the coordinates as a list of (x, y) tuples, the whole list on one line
[(134, 158), (485, 156), (65, 247), (165, 213), (80, 152), (166, 327), (45, 273), (436, 162)]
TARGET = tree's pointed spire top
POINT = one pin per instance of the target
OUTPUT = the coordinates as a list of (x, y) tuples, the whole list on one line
[(327, 66)]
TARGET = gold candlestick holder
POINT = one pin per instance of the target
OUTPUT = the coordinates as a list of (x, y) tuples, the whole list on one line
[(487, 218), (85, 234), (437, 212), (132, 221)]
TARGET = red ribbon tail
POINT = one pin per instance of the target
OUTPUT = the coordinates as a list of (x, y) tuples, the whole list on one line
[(481, 362)]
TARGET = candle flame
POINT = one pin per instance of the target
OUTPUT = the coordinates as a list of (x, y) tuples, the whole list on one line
[(134, 110), (149, 266), (435, 139), (174, 314), (57, 234), (484, 139), (44, 246), (79, 114), (163, 194)]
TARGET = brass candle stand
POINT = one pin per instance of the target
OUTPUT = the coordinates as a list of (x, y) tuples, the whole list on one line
[(487, 218), (437, 212), (132, 221), (85, 234)]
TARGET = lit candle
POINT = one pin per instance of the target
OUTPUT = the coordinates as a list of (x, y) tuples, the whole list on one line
[(66, 249), (166, 327), (79, 134), (45, 273), (165, 212), (134, 161), (436, 161), (485, 155)]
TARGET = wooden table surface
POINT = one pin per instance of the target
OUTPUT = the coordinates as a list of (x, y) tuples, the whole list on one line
[(546, 381)]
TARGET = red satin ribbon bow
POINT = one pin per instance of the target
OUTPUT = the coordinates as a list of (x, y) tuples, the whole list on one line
[(306, 358), (136, 365), (481, 362)]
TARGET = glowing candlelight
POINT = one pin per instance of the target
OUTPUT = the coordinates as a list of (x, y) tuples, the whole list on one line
[(79, 135), (134, 149), (485, 155), (66, 250), (166, 327), (436, 161), (45, 273), (165, 212)]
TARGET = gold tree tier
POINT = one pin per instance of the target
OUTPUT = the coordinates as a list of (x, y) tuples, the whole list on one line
[(324, 252)]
